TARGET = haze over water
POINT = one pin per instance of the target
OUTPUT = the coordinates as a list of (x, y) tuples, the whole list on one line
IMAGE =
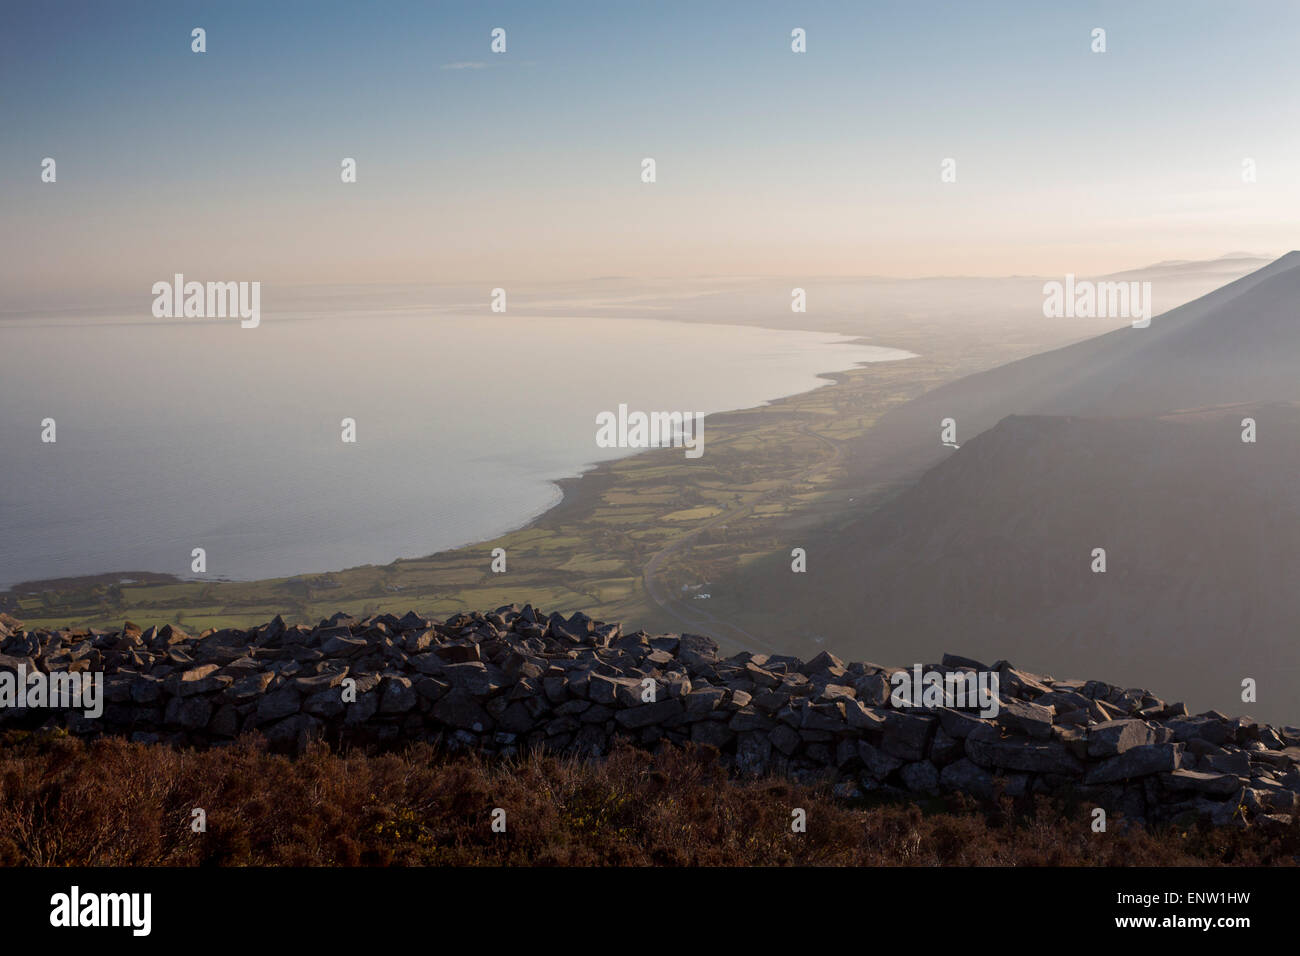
[(177, 434)]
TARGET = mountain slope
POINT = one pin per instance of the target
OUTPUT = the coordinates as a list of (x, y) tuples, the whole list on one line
[(1130, 442), (994, 549), (1240, 343)]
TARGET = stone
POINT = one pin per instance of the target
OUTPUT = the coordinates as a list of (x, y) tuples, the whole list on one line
[(460, 710), (644, 715), (278, 704), (958, 723), (862, 718), (712, 733), (873, 690), (753, 753), (1025, 717), (397, 696), (1216, 784), (1137, 762), (324, 680), (192, 713), (324, 703), (512, 679), (343, 647), (967, 777), (878, 763), (696, 651), (1115, 737), (906, 736), (146, 689), (293, 733), (920, 777), (944, 749), (784, 739), (986, 747)]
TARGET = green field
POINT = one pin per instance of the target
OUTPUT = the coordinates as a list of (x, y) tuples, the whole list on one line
[(769, 471)]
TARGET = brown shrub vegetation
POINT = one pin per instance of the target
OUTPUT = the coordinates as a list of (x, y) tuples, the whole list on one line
[(111, 802)]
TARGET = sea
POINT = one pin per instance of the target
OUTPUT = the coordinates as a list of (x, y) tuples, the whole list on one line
[(176, 434)]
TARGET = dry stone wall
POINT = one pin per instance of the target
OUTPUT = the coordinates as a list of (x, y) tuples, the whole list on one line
[(515, 678)]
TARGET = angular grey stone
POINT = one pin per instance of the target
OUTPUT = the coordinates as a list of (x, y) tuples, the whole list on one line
[(702, 700), (458, 653), (859, 717), (1212, 729), (630, 692), (192, 713), (748, 719), (398, 696), (459, 709), (828, 717), (428, 663), (711, 732), (646, 714), (343, 647), (753, 753), (739, 699), (195, 680), (1217, 784), (602, 689), (1025, 717), (964, 776), (1114, 737), (1236, 763), (225, 722), (878, 763), (695, 650), (362, 709), (837, 692), (324, 680), (987, 748), (959, 723), (248, 688), (475, 677), (146, 689), (784, 739), (944, 749), (872, 690), (906, 736), (293, 733), (1137, 762), (278, 704), (761, 677), (324, 703), (920, 777)]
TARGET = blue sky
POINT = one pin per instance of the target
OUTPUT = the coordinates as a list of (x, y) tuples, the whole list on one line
[(526, 165)]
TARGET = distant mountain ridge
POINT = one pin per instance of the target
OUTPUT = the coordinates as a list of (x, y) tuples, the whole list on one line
[(1131, 442)]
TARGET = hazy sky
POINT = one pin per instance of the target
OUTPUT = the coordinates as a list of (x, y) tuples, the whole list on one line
[(526, 165)]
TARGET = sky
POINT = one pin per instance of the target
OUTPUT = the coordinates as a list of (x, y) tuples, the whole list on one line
[(526, 166)]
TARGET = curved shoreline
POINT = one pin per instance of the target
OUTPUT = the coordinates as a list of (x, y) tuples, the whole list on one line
[(577, 494)]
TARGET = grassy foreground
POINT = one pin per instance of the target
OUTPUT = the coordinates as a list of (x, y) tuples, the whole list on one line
[(64, 802)]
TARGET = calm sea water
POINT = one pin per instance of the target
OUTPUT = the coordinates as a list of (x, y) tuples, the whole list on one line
[(179, 434)]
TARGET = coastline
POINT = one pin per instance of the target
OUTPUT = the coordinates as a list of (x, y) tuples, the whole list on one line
[(579, 494)]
